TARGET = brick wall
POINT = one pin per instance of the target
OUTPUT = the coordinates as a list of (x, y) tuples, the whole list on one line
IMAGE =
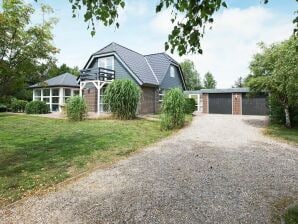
[(205, 103), (90, 95), (237, 101)]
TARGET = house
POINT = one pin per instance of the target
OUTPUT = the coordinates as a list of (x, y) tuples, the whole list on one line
[(236, 101), (56, 91), (153, 73)]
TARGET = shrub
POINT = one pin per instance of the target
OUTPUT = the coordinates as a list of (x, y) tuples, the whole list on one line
[(37, 107), (76, 108), (122, 97), (3, 108), (190, 105), (172, 108), (18, 105)]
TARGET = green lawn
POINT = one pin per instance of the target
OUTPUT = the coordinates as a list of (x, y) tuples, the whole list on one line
[(281, 132), (36, 152), (291, 216)]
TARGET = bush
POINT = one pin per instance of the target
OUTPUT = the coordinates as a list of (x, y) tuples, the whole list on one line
[(37, 107), (18, 105), (173, 113), (277, 114), (190, 105), (3, 108), (122, 97), (76, 108)]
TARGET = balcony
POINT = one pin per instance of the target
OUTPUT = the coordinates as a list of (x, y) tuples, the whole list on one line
[(100, 74)]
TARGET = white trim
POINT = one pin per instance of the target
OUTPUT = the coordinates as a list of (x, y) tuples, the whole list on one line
[(152, 71), (118, 58), (172, 71)]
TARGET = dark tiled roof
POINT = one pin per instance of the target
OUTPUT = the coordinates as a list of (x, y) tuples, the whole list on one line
[(65, 79), (230, 90), (150, 69)]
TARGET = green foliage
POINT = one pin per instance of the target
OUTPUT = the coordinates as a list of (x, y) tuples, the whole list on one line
[(3, 107), (18, 105), (24, 46), (291, 215), (37, 107), (55, 70), (191, 75), (209, 81), (122, 97), (277, 113), (190, 105), (275, 71), (173, 109), (76, 108)]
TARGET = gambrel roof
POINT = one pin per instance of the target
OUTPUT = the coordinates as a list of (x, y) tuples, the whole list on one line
[(149, 69)]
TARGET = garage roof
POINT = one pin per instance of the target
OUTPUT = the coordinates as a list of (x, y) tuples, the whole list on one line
[(230, 90)]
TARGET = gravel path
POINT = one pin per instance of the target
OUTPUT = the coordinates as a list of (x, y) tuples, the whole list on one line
[(220, 169)]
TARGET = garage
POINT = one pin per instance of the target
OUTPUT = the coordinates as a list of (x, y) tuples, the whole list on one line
[(255, 105), (220, 103)]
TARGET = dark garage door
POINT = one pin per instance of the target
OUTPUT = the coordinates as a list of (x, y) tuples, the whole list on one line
[(220, 103), (256, 105)]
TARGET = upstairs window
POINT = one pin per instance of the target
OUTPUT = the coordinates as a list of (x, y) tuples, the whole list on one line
[(172, 71), (107, 62)]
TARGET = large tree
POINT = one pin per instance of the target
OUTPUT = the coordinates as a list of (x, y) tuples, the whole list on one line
[(197, 15), (191, 75), (209, 81), (23, 47), (275, 70)]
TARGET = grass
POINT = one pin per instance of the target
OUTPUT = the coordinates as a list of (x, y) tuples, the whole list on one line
[(291, 215), (282, 132), (36, 152)]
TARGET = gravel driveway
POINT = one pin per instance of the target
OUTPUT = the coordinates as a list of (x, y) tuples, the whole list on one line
[(220, 169)]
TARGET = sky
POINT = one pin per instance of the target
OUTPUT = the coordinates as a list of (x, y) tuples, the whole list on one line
[(227, 48)]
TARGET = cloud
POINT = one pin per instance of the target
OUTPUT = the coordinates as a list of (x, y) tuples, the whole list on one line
[(229, 46)]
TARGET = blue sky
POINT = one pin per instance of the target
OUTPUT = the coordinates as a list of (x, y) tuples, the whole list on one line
[(228, 47)]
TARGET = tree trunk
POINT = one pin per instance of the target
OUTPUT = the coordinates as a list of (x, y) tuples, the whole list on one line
[(287, 113)]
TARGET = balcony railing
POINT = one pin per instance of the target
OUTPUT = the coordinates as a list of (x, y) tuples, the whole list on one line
[(102, 74)]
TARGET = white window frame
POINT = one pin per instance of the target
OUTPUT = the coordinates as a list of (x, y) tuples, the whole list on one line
[(105, 62), (172, 71)]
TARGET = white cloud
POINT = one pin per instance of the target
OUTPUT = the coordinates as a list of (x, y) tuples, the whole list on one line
[(230, 45)]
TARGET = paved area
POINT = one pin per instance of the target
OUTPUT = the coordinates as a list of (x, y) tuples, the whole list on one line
[(220, 169)]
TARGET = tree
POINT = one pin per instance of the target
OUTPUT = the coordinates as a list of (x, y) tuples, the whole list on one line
[(275, 70), (23, 46), (187, 32), (191, 75), (209, 81), (58, 70), (238, 83)]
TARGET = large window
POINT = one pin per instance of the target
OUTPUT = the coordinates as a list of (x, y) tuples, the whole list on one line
[(107, 62), (46, 95)]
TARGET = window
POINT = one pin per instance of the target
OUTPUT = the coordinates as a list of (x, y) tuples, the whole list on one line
[(46, 96), (172, 71), (76, 92), (66, 94), (107, 62), (37, 94)]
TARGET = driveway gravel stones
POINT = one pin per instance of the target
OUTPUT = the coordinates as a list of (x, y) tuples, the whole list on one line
[(220, 169)]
